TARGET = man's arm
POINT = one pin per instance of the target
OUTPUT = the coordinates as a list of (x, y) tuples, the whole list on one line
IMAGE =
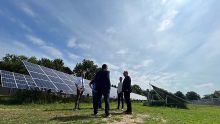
[(91, 83), (108, 79)]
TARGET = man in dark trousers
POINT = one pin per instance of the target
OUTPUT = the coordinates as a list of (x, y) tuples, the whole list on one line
[(103, 86), (92, 85), (126, 88), (80, 89)]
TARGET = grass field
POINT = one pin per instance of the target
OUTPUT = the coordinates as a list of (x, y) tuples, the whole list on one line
[(63, 113)]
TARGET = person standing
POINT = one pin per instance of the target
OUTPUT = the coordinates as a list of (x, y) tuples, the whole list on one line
[(103, 86), (92, 85), (80, 89), (126, 88), (120, 94)]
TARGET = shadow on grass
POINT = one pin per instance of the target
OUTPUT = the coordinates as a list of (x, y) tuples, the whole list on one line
[(69, 109), (73, 118), (82, 117)]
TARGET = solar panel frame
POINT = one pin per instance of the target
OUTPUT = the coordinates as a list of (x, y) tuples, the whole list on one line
[(65, 88), (16, 81), (7, 79), (62, 80), (49, 75)]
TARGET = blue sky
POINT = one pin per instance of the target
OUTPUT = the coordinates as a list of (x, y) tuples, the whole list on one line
[(174, 44)]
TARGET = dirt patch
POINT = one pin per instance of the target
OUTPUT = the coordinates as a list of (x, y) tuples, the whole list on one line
[(127, 119)]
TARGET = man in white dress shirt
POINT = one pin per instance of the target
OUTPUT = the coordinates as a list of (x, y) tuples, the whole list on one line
[(120, 94), (80, 89)]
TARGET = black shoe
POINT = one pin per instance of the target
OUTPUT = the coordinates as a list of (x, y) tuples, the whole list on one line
[(95, 115), (108, 116), (128, 113)]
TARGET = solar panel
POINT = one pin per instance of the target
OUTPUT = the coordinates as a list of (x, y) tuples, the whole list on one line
[(50, 79), (16, 80), (58, 81)]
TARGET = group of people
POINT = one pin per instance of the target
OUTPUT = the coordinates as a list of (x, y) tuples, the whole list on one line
[(101, 86)]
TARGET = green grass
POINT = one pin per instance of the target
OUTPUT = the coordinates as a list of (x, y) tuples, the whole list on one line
[(63, 113)]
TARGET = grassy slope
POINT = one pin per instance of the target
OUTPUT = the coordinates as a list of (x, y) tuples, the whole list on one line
[(63, 113)]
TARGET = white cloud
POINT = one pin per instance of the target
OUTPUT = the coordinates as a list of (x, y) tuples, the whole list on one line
[(27, 10), (167, 21), (144, 63), (71, 43), (163, 1), (122, 52), (83, 46), (112, 66), (9, 46), (52, 51), (110, 30), (36, 40), (204, 85), (73, 56), (25, 27)]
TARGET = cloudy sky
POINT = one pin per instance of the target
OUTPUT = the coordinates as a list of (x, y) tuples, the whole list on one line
[(174, 44)]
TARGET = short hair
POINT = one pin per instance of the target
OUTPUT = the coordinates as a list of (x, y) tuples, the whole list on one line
[(126, 72), (104, 66)]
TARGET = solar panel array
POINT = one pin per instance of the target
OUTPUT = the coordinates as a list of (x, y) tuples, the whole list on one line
[(16, 80), (55, 80), (58, 81)]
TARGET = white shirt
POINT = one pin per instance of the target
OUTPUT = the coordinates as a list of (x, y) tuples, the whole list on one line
[(120, 87), (79, 82)]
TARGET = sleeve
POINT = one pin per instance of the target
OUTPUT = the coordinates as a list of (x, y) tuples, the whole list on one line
[(129, 84), (108, 79)]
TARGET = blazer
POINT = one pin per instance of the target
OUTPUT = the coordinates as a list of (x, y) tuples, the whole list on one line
[(102, 80), (126, 87)]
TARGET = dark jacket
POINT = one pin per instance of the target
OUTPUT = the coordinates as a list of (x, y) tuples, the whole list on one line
[(102, 80), (126, 87)]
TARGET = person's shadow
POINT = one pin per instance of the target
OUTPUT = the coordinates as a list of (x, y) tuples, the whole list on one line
[(71, 118), (81, 117), (68, 109)]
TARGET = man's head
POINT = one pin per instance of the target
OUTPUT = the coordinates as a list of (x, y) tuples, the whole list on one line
[(120, 79), (125, 73), (104, 67)]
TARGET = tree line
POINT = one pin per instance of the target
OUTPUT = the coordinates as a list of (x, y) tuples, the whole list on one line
[(13, 63)]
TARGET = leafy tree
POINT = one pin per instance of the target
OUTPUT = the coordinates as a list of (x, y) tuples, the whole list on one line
[(87, 66), (58, 64), (216, 94), (14, 63), (153, 95), (46, 62), (180, 94), (192, 95), (137, 89)]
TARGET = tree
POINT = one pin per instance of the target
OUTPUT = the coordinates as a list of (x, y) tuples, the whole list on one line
[(46, 62), (216, 94), (192, 95), (87, 66), (14, 63), (137, 89), (180, 94)]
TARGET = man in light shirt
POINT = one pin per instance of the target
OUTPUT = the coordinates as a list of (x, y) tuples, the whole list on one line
[(80, 89), (120, 94)]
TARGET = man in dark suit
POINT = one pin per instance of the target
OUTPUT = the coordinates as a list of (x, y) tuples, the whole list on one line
[(103, 86), (126, 88)]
